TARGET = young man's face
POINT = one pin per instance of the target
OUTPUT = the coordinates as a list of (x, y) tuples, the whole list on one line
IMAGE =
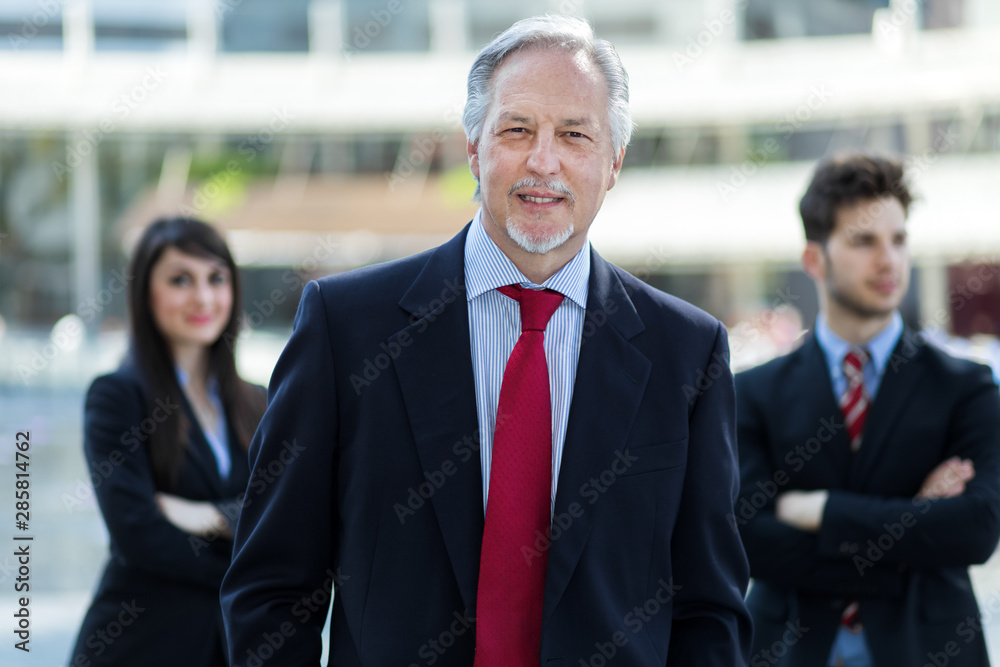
[(865, 264)]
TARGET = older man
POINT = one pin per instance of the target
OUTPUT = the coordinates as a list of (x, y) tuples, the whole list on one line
[(510, 451)]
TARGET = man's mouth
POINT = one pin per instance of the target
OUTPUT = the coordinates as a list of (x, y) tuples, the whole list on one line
[(540, 200)]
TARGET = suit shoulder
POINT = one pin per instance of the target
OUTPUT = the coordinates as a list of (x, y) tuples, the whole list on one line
[(677, 311), (945, 364), (120, 385), (764, 374)]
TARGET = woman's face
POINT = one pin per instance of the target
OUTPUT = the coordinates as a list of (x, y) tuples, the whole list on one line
[(191, 298)]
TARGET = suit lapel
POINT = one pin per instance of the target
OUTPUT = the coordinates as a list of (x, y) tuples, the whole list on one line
[(900, 378), (436, 379), (200, 457), (611, 377), (809, 388)]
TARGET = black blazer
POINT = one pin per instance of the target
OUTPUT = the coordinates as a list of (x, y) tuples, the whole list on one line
[(157, 601), (372, 423), (905, 560)]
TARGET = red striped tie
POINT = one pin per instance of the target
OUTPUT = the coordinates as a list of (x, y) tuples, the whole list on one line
[(854, 402), (518, 508)]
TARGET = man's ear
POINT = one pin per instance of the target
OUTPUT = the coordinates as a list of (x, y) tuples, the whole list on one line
[(473, 151), (814, 260), (616, 167)]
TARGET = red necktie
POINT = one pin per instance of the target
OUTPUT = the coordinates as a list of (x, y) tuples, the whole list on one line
[(854, 402), (518, 508)]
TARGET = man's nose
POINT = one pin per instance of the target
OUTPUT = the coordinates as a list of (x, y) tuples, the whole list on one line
[(889, 254), (543, 159)]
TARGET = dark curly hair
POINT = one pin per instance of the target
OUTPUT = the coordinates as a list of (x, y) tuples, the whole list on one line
[(844, 180)]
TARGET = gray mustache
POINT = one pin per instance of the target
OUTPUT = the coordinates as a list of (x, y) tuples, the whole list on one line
[(554, 186)]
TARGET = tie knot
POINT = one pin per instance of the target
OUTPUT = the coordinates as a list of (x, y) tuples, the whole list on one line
[(537, 306), (854, 363)]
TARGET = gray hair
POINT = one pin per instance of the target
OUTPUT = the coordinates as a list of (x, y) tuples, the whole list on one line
[(563, 32)]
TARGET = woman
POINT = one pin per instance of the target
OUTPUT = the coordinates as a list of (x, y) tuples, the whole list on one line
[(174, 421)]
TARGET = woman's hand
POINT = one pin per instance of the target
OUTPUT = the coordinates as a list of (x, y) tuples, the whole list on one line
[(195, 517)]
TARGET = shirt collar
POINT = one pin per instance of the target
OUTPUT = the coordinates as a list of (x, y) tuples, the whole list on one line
[(879, 348), (487, 268)]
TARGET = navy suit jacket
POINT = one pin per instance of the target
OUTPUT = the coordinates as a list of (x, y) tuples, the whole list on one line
[(373, 483), (157, 601), (904, 559)]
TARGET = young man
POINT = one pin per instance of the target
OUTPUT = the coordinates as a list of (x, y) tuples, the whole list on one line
[(870, 461), (495, 473)]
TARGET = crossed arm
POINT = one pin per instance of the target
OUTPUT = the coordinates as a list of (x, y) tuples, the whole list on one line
[(811, 540), (195, 517), (804, 509)]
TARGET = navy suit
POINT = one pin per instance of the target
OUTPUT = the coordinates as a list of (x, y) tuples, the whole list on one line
[(905, 560), (382, 496), (157, 601)]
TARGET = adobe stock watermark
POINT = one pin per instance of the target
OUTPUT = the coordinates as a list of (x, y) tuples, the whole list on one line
[(31, 25), (463, 451), (591, 490), (877, 548), (656, 258), (303, 611), (720, 365), (361, 36), (101, 470), (101, 639), (772, 654), (223, 7), (750, 504), (262, 477), (422, 150), (891, 24), (66, 336), (739, 175), (372, 367), (958, 296), (433, 649), (260, 311), (248, 149), (967, 630), (121, 109), (712, 30), (635, 620)]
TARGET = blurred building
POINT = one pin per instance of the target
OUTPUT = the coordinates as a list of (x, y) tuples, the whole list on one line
[(325, 134)]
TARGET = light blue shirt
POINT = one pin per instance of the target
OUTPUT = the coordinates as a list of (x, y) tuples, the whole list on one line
[(217, 434), (495, 326), (879, 349)]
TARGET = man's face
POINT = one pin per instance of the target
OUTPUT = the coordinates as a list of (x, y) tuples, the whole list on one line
[(545, 159), (865, 265)]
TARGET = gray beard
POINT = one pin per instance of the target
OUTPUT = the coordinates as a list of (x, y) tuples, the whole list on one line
[(539, 247)]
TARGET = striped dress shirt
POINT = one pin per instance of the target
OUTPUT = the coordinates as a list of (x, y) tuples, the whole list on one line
[(495, 326)]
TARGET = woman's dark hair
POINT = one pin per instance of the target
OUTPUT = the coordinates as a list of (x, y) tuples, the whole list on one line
[(153, 359), (845, 180)]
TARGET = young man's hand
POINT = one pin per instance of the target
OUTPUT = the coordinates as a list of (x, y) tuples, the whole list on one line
[(802, 509), (948, 479)]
